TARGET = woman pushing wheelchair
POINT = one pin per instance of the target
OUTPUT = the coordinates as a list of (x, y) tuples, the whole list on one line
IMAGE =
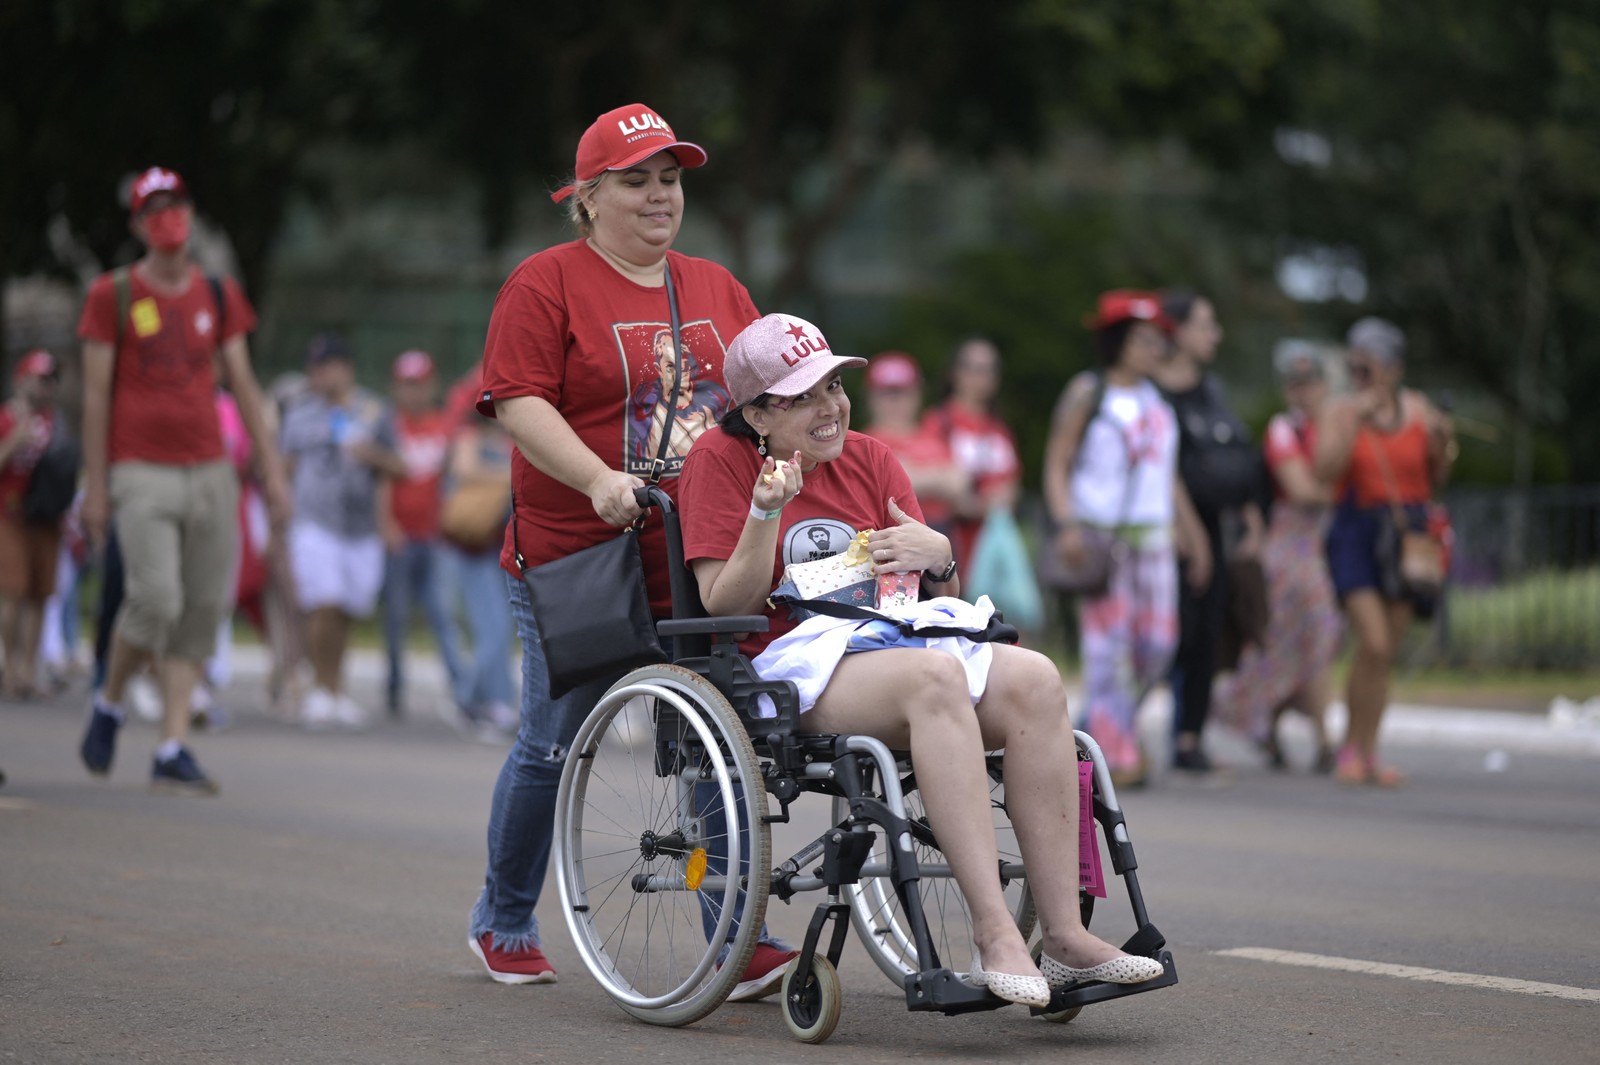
[(812, 486)]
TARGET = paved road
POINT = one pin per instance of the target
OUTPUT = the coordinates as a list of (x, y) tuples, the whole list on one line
[(316, 911)]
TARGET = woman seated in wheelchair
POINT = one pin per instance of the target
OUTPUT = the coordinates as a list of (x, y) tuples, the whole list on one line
[(811, 486)]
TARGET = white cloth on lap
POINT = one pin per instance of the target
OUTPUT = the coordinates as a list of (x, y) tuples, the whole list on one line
[(809, 653)]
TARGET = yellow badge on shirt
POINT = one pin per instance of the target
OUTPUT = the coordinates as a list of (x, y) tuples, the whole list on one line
[(146, 317)]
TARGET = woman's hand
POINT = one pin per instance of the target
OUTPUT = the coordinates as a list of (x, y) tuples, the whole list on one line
[(909, 545), (777, 483), (611, 494), (1072, 546)]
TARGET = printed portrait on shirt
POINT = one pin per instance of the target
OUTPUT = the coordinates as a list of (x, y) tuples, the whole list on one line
[(654, 407)]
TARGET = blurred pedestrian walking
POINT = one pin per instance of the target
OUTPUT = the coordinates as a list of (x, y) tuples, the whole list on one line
[(1225, 477), (339, 444), (894, 413), (1290, 669), (415, 572), (980, 442), (1111, 486), (153, 454), (1388, 449), (39, 463)]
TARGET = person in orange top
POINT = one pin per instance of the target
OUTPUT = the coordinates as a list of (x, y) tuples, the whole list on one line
[(980, 442), (1385, 446)]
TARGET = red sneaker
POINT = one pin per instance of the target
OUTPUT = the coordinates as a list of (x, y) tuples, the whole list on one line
[(525, 966), (764, 973)]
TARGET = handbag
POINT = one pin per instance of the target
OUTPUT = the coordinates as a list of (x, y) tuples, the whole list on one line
[(1000, 570), (1416, 555), (474, 513), (591, 608), (1103, 549)]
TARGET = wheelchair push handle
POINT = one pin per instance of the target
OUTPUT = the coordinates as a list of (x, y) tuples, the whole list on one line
[(650, 495)]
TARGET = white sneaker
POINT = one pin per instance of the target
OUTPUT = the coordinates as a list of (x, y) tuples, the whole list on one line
[(503, 717), (348, 713), (319, 711), (143, 697)]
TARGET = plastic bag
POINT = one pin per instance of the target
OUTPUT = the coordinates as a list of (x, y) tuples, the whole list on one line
[(1002, 571)]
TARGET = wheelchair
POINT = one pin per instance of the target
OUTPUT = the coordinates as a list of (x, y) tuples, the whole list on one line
[(663, 843)]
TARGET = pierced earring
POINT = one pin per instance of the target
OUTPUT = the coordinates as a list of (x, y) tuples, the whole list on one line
[(761, 445)]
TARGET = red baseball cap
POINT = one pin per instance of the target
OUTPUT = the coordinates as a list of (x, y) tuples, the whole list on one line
[(36, 363), (1122, 304), (780, 354), (156, 179), (893, 369), (624, 137), (413, 365)]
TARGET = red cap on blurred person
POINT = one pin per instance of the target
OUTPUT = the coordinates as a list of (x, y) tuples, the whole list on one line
[(893, 369), (1123, 304), (36, 363), (625, 137), (156, 179), (413, 365)]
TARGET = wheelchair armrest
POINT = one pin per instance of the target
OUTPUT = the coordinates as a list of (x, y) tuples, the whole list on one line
[(711, 626)]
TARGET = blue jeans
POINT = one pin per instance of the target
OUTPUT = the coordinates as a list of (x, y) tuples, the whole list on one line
[(522, 812), (414, 575), (481, 583)]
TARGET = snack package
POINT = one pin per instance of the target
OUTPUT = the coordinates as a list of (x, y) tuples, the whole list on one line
[(843, 578), (898, 589)]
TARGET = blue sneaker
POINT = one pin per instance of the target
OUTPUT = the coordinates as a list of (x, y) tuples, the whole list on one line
[(180, 774), (100, 741)]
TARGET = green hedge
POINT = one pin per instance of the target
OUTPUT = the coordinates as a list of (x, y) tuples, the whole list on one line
[(1545, 620)]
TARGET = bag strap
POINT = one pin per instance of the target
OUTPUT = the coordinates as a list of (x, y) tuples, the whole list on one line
[(122, 285), (659, 465), (1389, 485), (997, 630)]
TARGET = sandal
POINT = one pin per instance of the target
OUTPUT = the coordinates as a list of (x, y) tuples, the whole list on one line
[(1351, 767)]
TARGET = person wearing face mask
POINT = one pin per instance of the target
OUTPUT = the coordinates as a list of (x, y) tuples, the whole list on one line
[(1388, 450), (577, 373), (154, 458)]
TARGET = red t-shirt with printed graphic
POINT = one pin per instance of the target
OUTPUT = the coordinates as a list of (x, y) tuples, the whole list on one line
[(840, 499), (570, 330), (164, 371), (424, 444)]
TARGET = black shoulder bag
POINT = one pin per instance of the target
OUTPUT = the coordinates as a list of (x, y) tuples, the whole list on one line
[(592, 608)]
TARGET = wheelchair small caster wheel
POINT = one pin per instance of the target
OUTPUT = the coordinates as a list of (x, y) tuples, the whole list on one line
[(1060, 1016), (812, 1011)]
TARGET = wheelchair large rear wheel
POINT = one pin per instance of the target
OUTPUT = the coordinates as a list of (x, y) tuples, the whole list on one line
[(652, 815), (879, 918)]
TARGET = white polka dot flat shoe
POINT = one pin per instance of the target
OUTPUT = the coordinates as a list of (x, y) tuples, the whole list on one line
[(1124, 969), (1023, 990)]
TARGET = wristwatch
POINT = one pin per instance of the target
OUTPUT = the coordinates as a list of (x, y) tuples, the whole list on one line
[(944, 575)]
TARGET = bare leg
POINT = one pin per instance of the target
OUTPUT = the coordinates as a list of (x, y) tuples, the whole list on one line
[(918, 699), (30, 624), (178, 677), (126, 660), (10, 609), (1024, 711), (327, 631), (1367, 688)]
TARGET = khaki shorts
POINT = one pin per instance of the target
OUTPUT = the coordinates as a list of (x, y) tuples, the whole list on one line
[(179, 531), (28, 559)]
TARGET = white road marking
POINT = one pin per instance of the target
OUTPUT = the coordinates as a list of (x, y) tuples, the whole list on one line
[(1412, 972)]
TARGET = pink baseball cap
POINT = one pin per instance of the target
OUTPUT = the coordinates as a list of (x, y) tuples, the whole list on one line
[(780, 354), (413, 365), (624, 137), (893, 369), (36, 363), (156, 179)]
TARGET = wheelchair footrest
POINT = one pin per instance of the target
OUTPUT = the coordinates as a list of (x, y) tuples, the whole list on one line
[(1083, 994), (945, 992)]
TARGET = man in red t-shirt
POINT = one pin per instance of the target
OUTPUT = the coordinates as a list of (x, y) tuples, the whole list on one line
[(154, 334), (28, 546), (410, 526)]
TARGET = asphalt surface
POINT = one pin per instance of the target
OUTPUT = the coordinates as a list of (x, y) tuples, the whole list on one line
[(316, 911)]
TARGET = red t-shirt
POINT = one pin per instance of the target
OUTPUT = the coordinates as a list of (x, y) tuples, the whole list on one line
[(921, 447), (1405, 451), (424, 444), (18, 468), (983, 446), (569, 329), (840, 499), (1289, 437), (165, 367)]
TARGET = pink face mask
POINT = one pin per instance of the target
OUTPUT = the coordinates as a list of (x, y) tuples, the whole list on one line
[(168, 228)]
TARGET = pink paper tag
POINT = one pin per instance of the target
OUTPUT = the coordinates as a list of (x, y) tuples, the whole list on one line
[(1089, 872)]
